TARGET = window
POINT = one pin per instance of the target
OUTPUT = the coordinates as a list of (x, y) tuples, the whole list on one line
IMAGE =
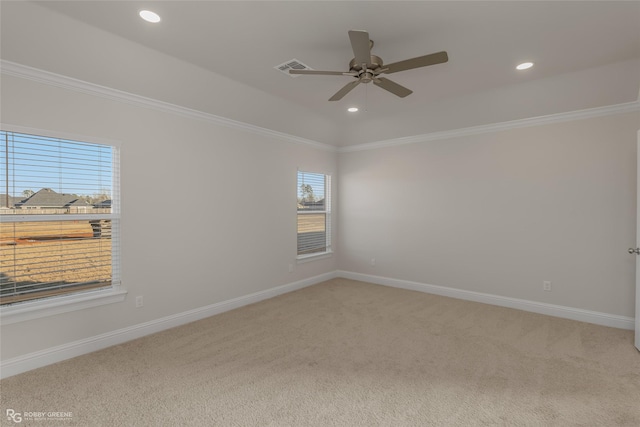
[(314, 214), (59, 215)]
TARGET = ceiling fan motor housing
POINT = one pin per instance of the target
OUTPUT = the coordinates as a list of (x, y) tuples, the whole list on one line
[(368, 73)]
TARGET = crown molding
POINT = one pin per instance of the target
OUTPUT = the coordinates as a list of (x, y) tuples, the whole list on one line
[(70, 83), (497, 127), (57, 80)]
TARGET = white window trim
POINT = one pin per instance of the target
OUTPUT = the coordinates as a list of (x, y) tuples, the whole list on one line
[(50, 306), (35, 309), (301, 259)]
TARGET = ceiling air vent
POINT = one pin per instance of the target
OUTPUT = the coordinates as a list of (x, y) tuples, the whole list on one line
[(292, 64)]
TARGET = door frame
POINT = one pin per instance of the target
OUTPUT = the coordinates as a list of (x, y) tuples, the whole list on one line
[(637, 313)]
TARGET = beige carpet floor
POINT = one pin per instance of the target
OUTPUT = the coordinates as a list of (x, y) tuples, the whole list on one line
[(347, 353)]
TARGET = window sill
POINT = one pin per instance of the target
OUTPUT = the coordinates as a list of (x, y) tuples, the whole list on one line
[(301, 259), (21, 312)]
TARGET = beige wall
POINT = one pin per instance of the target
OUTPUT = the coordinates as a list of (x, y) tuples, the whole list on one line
[(500, 213), (495, 213), (240, 240)]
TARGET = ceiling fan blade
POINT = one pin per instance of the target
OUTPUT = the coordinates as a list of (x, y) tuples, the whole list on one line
[(421, 61), (325, 73), (345, 90), (361, 46), (392, 87)]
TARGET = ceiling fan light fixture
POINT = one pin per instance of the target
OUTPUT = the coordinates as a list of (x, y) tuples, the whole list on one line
[(352, 109), (524, 66), (149, 16)]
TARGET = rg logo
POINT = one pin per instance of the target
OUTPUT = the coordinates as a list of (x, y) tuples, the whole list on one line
[(14, 416)]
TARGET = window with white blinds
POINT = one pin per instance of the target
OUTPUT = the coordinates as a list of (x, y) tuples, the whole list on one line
[(59, 217), (314, 214)]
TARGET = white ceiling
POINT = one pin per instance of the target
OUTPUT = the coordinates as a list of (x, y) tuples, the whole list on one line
[(587, 54)]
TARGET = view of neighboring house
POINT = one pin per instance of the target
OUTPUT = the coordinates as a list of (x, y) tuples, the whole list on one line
[(311, 205), (46, 198), (9, 201), (103, 204)]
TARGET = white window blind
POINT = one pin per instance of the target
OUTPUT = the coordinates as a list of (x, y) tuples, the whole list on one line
[(314, 213), (59, 217)]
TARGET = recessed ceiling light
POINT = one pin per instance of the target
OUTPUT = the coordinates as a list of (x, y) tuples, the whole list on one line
[(352, 109), (524, 66), (149, 16)]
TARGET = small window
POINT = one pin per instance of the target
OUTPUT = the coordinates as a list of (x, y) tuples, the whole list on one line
[(314, 214), (59, 214)]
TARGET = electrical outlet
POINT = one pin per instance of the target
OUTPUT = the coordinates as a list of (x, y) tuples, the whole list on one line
[(139, 302), (373, 261), (290, 268), (546, 286)]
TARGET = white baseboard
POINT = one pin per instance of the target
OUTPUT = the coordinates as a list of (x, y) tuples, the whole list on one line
[(604, 319), (62, 352)]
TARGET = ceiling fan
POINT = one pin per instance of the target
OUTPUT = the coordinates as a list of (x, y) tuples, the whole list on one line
[(366, 68)]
